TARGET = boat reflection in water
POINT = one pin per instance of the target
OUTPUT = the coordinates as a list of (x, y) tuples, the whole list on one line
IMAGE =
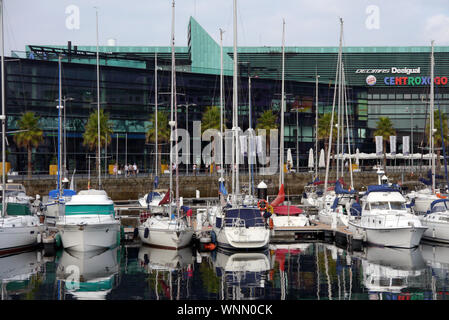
[(88, 275), (437, 259), (390, 270), (243, 274), (19, 273), (169, 270)]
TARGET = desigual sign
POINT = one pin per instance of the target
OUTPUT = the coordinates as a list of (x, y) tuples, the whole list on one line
[(407, 71)]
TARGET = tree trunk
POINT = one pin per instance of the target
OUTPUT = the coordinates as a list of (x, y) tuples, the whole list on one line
[(29, 161)]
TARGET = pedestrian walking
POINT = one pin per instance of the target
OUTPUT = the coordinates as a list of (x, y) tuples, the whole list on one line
[(194, 169), (135, 169), (126, 170)]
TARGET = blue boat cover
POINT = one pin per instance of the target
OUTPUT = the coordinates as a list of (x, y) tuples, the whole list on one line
[(380, 188), (222, 189), (429, 175), (151, 195), (356, 209), (427, 182), (65, 192), (334, 205), (438, 201), (156, 182), (339, 189)]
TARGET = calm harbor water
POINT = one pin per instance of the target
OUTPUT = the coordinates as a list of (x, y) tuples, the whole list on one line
[(303, 271)]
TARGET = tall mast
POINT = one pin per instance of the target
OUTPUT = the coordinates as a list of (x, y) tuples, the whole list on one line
[(347, 128), (155, 107), (281, 148), (172, 99), (332, 114), (236, 187), (249, 150), (432, 64), (98, 110), (316, 126), (221, 103), (3, 117), (59, 127)]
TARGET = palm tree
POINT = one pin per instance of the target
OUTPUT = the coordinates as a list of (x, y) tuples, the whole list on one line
[(438, 141), (163, 133), (385, 129), (324, 130), (91, 132), (31, 136), (211, 120), (267, 121)]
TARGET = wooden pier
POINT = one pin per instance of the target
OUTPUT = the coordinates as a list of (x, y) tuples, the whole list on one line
[(318, 231)]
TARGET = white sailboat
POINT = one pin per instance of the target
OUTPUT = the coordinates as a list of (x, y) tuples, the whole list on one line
[(239, 226), (422, 199), (169, 231), (54, 206), (19, 228), (88, 221), (334, 205)]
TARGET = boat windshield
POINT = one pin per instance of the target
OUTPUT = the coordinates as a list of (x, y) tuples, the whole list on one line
[(388, 205), (380, 206), (439, 208), (397, 206)]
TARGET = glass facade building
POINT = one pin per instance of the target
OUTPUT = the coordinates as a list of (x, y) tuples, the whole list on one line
[(381, 81)]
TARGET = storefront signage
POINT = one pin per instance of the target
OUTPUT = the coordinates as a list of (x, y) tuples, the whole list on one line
[(407, 71), (414, 81)]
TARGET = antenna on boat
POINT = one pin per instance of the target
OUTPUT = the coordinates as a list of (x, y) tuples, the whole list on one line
[(98, 107), (3, 116)]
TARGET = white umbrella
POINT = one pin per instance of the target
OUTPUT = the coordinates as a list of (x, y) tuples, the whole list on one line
[(357, 154), (311, 163), (322, 163), (289, 156)]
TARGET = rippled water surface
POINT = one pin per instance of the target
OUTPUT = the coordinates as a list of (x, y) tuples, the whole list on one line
[(306, 271)]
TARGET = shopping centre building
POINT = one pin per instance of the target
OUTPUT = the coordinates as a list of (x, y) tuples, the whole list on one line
[(381, 81)]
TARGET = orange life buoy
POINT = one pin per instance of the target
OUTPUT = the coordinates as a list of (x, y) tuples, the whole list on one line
[(441, 196), (262, 201)]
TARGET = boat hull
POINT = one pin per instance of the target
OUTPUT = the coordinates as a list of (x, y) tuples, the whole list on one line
[(15, 239), (89, 237), (166, 238), (402, 237), (436, 231), (242, 238)]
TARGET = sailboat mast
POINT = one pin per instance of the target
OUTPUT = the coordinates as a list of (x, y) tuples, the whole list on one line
[(59, 127), (235, 109), (316, 125), (221, 104), (98, 110), (332, 114), (155, 109), (347, 128), (281, 147), (3, 117), (432, 64), (172, 100)]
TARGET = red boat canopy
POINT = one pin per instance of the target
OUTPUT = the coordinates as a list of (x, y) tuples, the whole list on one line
[(287, 210)]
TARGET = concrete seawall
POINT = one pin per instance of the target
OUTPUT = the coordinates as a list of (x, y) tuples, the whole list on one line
[(132, 187)]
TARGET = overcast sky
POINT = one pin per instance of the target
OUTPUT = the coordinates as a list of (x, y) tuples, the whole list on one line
[(148, 22)]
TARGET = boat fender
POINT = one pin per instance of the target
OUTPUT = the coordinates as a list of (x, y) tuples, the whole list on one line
[(39, 237), (58, 240), (213, 237), (271, 224), (146, 233), (209, 246)]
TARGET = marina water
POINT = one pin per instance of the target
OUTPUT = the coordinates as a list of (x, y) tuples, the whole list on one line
[(299, 271)]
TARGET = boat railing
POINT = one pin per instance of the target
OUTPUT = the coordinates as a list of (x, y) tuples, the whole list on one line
[(242, 223)]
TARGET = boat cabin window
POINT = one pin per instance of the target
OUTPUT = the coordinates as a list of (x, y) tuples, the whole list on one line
[(380, 205), (439, 207), (397, 206)]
